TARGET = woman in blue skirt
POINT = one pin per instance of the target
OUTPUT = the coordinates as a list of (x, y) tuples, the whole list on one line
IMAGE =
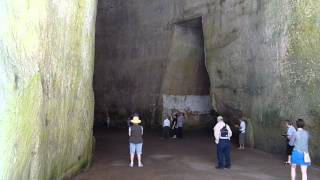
[(300, 154)]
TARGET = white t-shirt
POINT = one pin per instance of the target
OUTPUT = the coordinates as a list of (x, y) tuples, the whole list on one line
[(217, 129), (166, 123), (242, 127)]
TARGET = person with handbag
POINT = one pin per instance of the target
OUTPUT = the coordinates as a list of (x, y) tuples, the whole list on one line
[(300, 154)]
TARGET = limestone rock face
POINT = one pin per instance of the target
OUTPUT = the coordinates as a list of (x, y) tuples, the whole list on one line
[(262, 58), (46, 96)]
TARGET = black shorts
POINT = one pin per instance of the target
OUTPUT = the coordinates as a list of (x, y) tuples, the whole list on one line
[(289, 149)]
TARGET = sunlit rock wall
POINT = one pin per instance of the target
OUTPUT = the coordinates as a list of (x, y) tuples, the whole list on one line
[(46, 96)]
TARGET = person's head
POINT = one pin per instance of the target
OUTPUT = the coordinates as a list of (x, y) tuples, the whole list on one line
[(300, 123), (135, 120), (288, 123), (219, 118)]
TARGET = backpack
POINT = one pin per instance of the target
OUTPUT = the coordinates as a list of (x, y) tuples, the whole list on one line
[(224, 131)]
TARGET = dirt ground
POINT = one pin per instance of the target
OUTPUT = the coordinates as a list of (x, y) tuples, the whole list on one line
[(191, 158)]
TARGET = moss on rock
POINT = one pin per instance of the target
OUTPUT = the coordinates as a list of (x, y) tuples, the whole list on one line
[(46, 97)]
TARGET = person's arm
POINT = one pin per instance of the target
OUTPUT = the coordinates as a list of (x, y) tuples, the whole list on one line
[(141, 130), (174, 124), (289, 136), (129, 131), (229, 131), (293, 138), (216, 134)]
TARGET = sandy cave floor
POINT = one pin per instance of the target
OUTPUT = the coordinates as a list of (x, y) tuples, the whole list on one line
[(192, 158)]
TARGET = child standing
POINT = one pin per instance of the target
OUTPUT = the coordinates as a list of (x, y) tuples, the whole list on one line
[(135, 140)]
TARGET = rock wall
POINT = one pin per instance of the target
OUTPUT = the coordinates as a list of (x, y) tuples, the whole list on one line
[(262, 58), (132, 44), (46, 96)]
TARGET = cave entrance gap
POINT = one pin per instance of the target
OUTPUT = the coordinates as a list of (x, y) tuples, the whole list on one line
[(186, 84)]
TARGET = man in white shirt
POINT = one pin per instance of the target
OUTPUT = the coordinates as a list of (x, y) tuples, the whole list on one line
[(166, 127), (222, 134)]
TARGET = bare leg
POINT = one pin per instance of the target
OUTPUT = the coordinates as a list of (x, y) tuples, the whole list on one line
[(131, 160), (139, 161), (289, 159), (293, 172), (304, 172)]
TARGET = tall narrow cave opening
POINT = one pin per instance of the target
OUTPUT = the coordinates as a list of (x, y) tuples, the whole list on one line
[(186, 84)]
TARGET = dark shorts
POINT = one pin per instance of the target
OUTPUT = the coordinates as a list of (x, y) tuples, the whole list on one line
[(289, 149)]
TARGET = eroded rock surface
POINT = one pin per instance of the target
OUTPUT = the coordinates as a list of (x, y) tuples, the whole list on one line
[(262, 58), (46, 96)]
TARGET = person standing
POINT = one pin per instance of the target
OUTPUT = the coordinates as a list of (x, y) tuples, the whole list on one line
[(291, 131), (180, 122), (174, 127), (222, 134), (242, 135), (135, 140), (166, 128), (300, 154)]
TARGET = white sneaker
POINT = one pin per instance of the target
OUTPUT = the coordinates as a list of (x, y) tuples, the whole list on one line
[(140, 165), (131, 164)]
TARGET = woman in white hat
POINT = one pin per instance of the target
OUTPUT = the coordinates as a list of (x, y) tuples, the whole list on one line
[(135, 140)]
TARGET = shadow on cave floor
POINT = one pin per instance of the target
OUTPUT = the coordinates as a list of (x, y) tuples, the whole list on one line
[(191, 158)]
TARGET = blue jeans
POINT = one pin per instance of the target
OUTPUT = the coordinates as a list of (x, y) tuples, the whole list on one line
[(223, 153)]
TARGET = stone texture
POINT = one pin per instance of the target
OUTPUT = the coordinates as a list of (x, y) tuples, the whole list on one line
[(131, 50), (46, 97), (262, 58), (264, 62)]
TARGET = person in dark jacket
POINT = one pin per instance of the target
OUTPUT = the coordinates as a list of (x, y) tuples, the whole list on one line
[(180, 122), (174, 127), (135, 140)]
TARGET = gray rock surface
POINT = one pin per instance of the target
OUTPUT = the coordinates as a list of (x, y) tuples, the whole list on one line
[(262, 58)]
